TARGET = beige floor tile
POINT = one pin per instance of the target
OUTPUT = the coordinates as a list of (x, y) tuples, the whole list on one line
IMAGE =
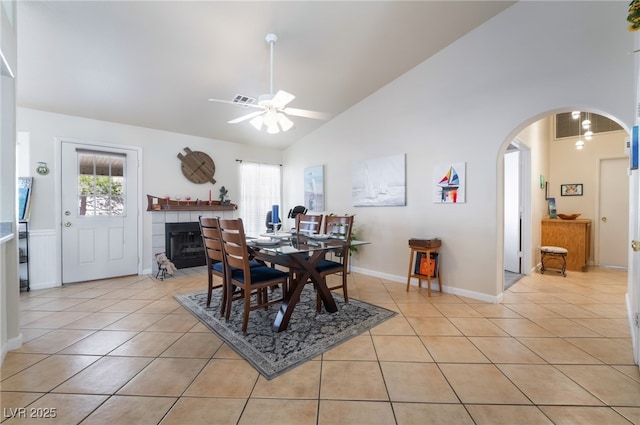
[(121, 294), (56, 319), (420, 309), (565, 328), (205, 411), (300, 382), (376, 297), (476, 326), (505, 350), (571, 311), (147, 344), (583, 415), (357, 348), (105, 376), (12, 402), (16, 362), (632, 414), (161, 306), (224, 378), (92, 305), (126, 306), (194, 345), (433, 326), (631, 371), (60, 409), (352, 380), (277, 412), (431, 414), (60, 304), (29, 335), (495, 311), (135, 322), (544, 384), (470, 383), (336, 412), (558, 351), (164, 377), (531, 310), (95, 321), (611, 328), (226, 352), (47, 374), (521, 327), (392, 348), (605, 349), (173, 323), (131, 410), (507, 415), (53, 341), (99, 343), (608, 384), (457, 310), (416, 382), (397, 325), (453, 349)]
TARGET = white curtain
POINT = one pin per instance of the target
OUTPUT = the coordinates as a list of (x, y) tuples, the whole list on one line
[(259, 191)]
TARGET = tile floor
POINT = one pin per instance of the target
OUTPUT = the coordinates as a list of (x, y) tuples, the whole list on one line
[(123, 351)]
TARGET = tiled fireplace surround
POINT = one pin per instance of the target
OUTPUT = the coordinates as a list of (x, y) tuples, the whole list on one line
[(159, 218)]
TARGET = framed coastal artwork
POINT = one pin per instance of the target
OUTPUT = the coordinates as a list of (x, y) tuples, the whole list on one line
[(314, 188), (449, 183), (379, 182)]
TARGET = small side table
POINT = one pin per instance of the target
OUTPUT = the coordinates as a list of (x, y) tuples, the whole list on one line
[(426, 246)]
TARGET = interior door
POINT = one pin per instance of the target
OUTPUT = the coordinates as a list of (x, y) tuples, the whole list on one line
[(512, 220), (99, 212), (633, 287), (613, 234)]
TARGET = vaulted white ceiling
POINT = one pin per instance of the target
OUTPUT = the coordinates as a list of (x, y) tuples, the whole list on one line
[(156, 63)]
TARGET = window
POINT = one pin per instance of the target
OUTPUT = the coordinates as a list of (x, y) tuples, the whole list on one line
[(259, 191), (100, 184)]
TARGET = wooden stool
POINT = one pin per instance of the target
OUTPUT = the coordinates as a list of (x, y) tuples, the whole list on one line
[(553, 253), (427, 247)]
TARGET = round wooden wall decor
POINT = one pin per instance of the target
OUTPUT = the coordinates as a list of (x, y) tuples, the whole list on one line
[(197, 167)]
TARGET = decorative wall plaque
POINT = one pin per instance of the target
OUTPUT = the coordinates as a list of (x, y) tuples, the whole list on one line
[(197, 167)]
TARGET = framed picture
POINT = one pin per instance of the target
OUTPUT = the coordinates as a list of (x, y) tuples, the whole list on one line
[(449, 182), (379, 182), (571, 189), (314, 188)]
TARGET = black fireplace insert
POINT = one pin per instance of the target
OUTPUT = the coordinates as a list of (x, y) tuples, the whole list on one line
[(184, 247)]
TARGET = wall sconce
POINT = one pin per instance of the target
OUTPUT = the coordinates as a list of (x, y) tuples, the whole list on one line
[(42, 168)]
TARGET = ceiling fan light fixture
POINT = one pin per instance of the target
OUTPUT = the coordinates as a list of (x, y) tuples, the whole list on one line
[(284, 121), (575, 115), (273, 129), (257, 122)]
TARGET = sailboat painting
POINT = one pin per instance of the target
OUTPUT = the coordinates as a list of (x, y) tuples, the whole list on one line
[(449, 182), (379, 182)]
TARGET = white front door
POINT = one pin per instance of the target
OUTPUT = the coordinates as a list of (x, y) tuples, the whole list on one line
[(613, 234), (99, 212)]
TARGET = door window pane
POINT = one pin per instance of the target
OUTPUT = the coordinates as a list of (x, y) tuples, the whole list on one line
[(100, 184)]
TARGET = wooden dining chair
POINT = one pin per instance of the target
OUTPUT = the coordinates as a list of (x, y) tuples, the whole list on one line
[(339, 226), (309, 224), (210, 230), (252, 281)]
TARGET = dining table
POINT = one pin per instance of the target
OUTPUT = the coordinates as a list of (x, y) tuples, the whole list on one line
[(300, 253)]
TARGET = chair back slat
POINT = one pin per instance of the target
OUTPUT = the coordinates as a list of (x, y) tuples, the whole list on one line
[(234, 244), (339, 226), (210, 229), (309, 224)]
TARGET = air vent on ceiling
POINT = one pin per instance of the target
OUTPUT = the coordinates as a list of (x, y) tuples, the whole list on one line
[(244, 100)]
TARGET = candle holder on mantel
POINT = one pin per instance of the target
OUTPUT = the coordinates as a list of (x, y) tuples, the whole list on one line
[(156, 203)]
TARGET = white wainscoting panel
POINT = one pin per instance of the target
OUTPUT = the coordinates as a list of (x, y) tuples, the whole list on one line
[(43, 259)]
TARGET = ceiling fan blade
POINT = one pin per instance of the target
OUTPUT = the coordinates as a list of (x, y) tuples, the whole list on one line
[(231, 102), (281, 99), (245, 117), (307, 114)]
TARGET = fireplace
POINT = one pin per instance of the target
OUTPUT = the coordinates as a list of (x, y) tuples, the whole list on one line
[(184, 245)]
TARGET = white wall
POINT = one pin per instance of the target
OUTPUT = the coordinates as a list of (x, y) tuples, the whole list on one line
[(161, 173), (466, 104)]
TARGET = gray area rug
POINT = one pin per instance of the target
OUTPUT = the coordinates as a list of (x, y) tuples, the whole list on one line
[(308, 335)]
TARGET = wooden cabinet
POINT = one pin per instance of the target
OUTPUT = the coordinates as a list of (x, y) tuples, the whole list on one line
[(574, 235)]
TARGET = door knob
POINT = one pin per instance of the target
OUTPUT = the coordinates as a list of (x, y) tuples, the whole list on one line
[(604, 219), (635, 245), (67, 224)]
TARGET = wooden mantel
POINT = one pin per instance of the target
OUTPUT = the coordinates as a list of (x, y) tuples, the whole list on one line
[(156, 203)]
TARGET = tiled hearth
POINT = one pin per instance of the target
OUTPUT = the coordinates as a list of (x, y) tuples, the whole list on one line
[(161, 217)]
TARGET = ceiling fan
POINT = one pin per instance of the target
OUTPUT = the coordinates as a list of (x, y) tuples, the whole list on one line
[(273, 111)]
